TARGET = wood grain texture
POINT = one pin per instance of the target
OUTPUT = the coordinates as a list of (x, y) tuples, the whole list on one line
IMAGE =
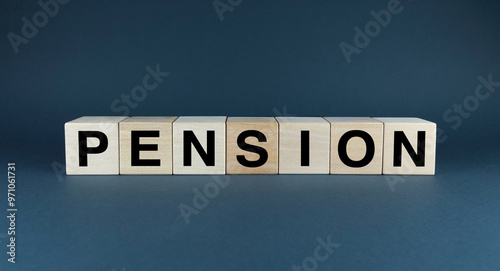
[(356, 148), (105, 163), (411, 128), (199, 126), (290, 150), (162, 125), (268, 126)]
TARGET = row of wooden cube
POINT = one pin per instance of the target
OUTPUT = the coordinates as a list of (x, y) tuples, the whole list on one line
[(250, 145)]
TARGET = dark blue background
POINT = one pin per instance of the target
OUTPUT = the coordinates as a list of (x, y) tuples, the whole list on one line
[(264, 59)]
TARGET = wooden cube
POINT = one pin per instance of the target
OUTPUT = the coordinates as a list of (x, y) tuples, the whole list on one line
[(252, 145), (356, 146), (146, 145), (92, 146), (409, 146), (199, 145), (304, 145)]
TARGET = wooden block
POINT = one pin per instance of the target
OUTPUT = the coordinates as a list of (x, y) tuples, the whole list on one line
[(92, 146), (252, 145), (146, 145), (356, 146), (409, 146), (304, 145), (200, 145)]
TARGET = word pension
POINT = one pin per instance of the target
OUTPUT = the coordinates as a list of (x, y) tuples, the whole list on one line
[(249, 145)]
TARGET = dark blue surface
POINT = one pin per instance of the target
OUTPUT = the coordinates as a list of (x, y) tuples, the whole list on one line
[(264, 59)]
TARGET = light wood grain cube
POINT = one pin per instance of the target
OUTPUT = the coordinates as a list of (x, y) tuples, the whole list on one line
[(252, 145), (304, 145), (199, 145), (92, 146), (356, 146), (409, 146), (146, 145)]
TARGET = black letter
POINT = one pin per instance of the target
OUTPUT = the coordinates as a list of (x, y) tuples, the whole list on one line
[(84, 150), (137, 147), (252, 148), (370, 148), (207, 157), (304, 148), (401, 139)]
